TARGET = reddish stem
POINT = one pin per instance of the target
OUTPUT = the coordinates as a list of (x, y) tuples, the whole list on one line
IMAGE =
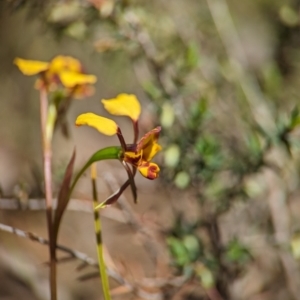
[(121, 139), (136, 131), (47, 155)]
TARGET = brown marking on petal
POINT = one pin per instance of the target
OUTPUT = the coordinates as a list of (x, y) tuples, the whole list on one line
[(134, 158), (153, 172)]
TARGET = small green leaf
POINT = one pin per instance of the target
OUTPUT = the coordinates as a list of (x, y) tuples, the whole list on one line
[(178, 250), (172, 156), (254, 144), (152, 90), (289, 16), (197, 113), (191, 243), (77, 30), (192, 55), (273, 80), (182, 180), (294, 118), (167, 115), (236, 252)]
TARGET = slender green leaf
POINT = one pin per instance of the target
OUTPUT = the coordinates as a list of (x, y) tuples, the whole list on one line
[(103, 154)]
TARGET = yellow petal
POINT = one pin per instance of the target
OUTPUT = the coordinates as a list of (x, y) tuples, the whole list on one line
[(70, 79), (123, 105), (103, 125), (31, 67), (151, 151), (60, 63), (148, 144), (149, 170)]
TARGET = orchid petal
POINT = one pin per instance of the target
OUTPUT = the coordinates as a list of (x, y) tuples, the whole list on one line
[(149, 170), (31, 67), (60, 63), (104, 125), (70, 79), (148, 143), (123, 105)]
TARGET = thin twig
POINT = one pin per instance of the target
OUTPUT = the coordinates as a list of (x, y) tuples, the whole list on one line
[(87, 260), (73, 253), (79, 205)]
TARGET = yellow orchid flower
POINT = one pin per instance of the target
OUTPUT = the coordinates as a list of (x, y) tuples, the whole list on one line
[(139, 154), (62, 69), (63, 75)]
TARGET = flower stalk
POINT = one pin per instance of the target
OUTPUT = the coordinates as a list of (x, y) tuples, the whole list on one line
[(63, 77), (48, 116), (98, 233)]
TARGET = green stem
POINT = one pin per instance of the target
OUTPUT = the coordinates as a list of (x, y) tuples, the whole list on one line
[(48, 116), (98, 232)]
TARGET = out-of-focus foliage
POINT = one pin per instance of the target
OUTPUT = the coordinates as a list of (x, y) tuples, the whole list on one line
[(225, 89)]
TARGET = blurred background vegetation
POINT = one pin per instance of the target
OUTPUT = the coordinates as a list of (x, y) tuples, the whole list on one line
[(221, 78)]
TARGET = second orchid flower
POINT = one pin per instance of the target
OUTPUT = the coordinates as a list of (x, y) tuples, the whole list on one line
[(138, 154)]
